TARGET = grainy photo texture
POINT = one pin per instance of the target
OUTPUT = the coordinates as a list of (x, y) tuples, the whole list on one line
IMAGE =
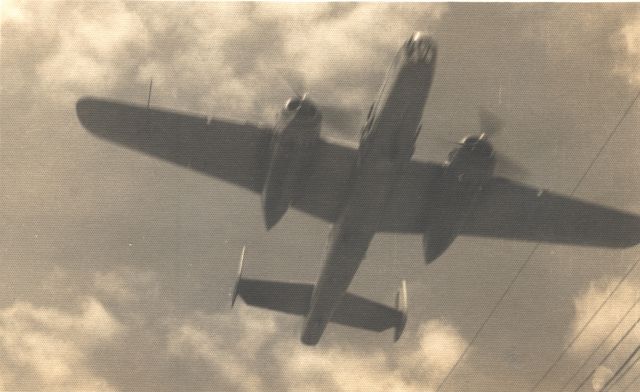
[(393, 196)]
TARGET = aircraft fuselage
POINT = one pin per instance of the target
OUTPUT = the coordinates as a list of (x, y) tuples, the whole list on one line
[(387, 144)]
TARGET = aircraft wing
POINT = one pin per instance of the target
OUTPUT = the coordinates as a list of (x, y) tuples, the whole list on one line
[(508, 209), (233, 152), (236, 153), (511, 210)]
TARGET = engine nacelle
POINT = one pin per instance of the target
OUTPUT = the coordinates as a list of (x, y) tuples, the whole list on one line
[(437, 240), (292, 148), (469, 167)]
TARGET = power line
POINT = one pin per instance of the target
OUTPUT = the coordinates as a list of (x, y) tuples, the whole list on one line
[(584, 327), (626, 371), (594, 351), (533, 251), (486, 320), (615, 129), (607, 356), (636, 378), (618, 372)]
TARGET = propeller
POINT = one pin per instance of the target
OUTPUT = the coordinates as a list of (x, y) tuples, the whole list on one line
[(295, 81), (335, 117), (491, 125)]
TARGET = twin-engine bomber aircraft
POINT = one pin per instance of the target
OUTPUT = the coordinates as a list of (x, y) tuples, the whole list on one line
[(375, 188)]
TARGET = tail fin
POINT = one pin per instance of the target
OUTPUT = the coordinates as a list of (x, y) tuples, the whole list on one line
[(401, 306), (236, 287)]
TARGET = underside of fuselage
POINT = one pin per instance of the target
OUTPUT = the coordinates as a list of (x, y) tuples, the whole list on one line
[(388, 144)]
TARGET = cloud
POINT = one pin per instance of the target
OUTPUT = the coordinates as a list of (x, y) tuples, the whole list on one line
[(586, 305), (420, 368), (223, 58), (49, 349), (127, 285), (629, 38), (234, 346), (227, 344), (607, 34), (126, 336)]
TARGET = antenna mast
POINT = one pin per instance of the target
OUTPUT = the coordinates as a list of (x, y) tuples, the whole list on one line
[(149, 97)]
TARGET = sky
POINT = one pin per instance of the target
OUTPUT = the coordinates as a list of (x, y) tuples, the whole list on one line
[(116, 267)]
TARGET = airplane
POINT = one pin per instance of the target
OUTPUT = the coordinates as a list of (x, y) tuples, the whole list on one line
[(375, 187)]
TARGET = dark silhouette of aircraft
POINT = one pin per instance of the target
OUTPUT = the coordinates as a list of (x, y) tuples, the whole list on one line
[(374, 188)]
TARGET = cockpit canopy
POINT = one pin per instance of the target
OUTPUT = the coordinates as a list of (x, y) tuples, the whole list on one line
[(420, 47)]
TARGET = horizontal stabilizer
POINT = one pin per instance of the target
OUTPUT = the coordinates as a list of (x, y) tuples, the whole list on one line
[(358, 312), (295, 298)]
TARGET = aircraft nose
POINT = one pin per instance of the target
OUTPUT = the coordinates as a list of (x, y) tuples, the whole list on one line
[(419, 35), (421, 47)]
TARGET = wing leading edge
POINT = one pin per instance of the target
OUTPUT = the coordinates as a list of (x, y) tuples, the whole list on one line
[(508, 209), (236, 153), (239, 153), (511, 210), (232, 152)]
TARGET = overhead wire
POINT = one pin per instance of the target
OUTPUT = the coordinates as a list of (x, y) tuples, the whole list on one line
[(595, 350), (548, 371), (611, 351), (636, 378), (620, 370), (530, 255), (626, 371), (585, 326)]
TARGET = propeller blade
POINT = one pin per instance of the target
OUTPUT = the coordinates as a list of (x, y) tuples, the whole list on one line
[(342, 120), (507, 166), (295, 80), (443, 142), (490, 123)]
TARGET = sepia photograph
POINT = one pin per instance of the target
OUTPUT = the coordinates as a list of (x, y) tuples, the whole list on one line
[(319, 196)]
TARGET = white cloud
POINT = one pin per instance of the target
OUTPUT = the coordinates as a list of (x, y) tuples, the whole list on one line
[(49, 349), (227, 343), (630, 40), (94, 49), (221, 58), (606, 320), (440, 348), (230, 344), (414, 369), (588, 303), (127, 285)]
